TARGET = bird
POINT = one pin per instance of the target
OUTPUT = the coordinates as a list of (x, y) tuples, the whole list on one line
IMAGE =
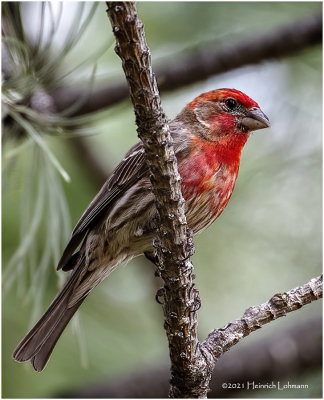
[(208, 136)]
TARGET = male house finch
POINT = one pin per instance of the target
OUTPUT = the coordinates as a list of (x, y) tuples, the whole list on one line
[(119, 224)]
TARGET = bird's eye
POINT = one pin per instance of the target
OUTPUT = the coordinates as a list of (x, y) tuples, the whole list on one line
[(231, 103)]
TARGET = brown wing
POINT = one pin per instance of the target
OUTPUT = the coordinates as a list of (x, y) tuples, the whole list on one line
[(129, 171)]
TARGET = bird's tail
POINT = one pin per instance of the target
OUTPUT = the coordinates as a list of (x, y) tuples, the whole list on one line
[(38, 344)]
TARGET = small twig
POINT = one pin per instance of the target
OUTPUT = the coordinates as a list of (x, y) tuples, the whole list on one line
[(282, 42), (221, 340)]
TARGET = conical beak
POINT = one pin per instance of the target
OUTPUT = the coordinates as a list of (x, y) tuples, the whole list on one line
[(255, 119)]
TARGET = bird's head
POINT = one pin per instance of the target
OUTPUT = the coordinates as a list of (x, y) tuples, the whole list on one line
[(224, 112)]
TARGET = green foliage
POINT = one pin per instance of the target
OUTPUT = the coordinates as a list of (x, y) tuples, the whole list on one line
[(32, 68)]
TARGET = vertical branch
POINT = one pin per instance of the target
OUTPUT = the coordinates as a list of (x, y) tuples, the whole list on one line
[(173, 244)]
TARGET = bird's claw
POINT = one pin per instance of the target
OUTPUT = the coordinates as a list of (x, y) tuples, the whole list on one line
[(196, 299), (190, 248), (159, 293)]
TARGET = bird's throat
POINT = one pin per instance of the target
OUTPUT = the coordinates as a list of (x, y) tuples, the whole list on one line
[(226, 150)]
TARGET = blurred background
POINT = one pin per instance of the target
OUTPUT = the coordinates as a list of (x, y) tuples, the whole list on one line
[(63, 134)]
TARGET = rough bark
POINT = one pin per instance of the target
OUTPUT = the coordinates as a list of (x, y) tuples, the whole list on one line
[(282, 42), (173, 244)]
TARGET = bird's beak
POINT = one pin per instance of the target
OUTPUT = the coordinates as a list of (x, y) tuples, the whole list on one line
[(255, 119)]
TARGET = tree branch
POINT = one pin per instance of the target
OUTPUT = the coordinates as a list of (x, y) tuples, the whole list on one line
[(221, 340), (282, 42), (173, 245)]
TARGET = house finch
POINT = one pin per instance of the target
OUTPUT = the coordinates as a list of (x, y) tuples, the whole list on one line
[(119, 224)]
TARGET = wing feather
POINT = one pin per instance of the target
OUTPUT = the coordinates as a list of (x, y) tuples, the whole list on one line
[(130, 170)]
